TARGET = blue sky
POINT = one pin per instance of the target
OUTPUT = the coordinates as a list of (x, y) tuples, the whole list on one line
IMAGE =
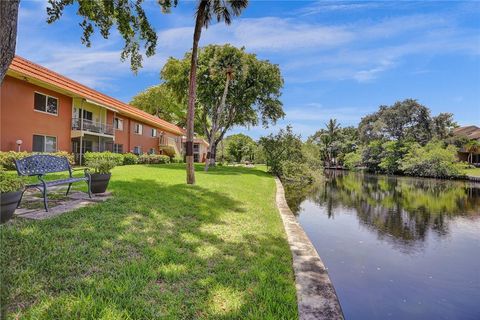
[(339, 59)]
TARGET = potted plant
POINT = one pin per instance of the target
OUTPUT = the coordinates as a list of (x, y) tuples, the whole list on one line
[(101, 173), (11, 188)]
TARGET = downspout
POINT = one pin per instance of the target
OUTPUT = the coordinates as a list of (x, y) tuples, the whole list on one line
[(129, 130), (80, 114)]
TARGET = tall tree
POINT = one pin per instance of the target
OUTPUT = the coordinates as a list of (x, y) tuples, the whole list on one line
[(234, 89), (133, 25), (206, 9), (8, 34)]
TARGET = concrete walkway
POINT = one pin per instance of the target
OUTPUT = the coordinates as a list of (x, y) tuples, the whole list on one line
[(315, 293), (73, 201)]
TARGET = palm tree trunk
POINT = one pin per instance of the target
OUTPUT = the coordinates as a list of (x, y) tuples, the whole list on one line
[(8, 34), (192, 91)]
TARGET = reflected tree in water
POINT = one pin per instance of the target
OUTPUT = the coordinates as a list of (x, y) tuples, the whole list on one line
[(401, 210)]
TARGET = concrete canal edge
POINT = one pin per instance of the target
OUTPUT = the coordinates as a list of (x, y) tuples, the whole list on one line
[(316, 295)]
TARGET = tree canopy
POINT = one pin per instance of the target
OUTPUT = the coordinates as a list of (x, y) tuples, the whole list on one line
[(241, 147), (405, 120), (234, 89), (160, 101), (253, 93), (128, 16)]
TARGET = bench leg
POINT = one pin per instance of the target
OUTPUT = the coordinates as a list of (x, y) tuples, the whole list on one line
[(18, 204), (68, 190), (89, 187), (45, 200)]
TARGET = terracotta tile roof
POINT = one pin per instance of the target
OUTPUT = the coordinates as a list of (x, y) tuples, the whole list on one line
[(471, 132), (33, 70)]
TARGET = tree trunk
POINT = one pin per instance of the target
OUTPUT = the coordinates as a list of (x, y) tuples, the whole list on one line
[(215, 125), (192, 92), (8, 34), (213, 154)]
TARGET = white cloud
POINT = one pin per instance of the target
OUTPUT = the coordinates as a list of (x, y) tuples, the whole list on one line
[(320, 7), (306, 51)]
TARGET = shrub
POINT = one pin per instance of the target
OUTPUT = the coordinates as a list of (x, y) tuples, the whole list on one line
[(296, 172), (130, 158), (10, 182), (352, 160), (432, 160), (116, 158), (153, 158), (177, 159), (392, 155), (7, 157), (283, 146), (101, 165)]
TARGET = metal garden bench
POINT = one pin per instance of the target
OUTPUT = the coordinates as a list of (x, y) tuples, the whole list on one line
[(41, 164)]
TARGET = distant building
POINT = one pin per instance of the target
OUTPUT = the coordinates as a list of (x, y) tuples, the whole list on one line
[(471, 133)]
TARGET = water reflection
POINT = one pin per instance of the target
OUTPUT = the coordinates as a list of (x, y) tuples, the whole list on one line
[(396, 247), (401, 210)]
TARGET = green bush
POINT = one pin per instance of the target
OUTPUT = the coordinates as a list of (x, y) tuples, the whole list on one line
[(352, 160), (130, 158), (177, 159), (7, 157), (153, 158), (101, 165), (392, 155), (10, 182), (433, 160), (116, 158), (296, 172)]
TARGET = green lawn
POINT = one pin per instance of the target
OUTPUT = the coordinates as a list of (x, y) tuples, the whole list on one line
[(473, 172), (158, 249)]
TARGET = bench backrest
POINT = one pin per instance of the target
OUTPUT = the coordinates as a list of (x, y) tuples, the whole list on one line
[(41, 164)]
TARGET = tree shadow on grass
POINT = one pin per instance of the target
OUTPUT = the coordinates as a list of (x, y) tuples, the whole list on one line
[(153, 251), (219, 170)]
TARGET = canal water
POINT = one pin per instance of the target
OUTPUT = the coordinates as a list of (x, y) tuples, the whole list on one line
[(396, 247)]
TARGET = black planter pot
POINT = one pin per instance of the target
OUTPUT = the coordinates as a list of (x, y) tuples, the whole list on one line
[(100, 182), (9, 202)]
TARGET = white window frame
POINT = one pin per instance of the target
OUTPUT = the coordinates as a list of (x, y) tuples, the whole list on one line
[(140, 128), (46, 101), (154, 133), (120, 123), (45, 142)]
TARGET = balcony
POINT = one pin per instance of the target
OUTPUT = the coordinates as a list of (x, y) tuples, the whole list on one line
[(168, 145), (92, 126)]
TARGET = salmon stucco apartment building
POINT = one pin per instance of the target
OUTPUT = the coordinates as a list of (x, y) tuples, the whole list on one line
[(43, 111)]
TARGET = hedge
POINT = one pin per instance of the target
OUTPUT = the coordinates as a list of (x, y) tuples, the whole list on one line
[(116, 158), (153, 159), (7, 157), (130, 158)]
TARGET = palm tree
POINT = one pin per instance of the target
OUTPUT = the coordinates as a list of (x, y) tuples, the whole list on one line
[(333, 128), (223, 10), (473, 146)]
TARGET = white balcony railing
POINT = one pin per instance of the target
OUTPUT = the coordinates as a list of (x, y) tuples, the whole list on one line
[(92, 126)]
